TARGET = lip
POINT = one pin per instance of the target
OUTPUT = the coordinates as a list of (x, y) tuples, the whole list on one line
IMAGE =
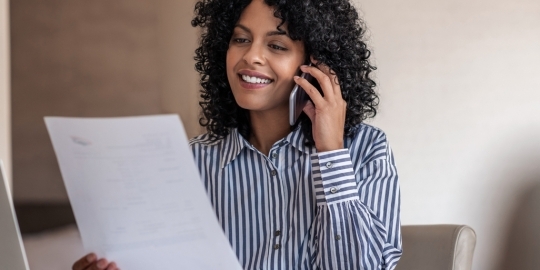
[(252, 86), (253, 73)]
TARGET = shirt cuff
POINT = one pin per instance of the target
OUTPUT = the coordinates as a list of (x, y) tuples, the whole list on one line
[(333, 177)]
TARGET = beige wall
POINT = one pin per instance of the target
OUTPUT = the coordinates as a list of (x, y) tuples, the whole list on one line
[(5, 108), (461, 107), (179, 81), (94, 58), (460, 97)]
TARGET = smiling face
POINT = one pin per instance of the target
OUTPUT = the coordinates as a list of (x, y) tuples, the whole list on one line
[(262, 60)]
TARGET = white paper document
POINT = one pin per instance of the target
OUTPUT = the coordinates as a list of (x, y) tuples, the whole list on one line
[(137, 194)]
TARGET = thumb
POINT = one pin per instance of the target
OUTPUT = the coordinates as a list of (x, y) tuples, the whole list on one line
[(309, 110)]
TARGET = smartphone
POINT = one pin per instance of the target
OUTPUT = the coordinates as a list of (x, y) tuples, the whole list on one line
[(299, 98), (297, 101)]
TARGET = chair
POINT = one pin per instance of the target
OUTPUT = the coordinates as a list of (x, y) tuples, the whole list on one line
[(437, 247)]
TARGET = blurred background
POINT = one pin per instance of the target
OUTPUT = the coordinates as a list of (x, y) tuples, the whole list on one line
[(460, 102)]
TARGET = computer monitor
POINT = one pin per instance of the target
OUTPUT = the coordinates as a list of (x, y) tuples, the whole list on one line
[(12, 254)]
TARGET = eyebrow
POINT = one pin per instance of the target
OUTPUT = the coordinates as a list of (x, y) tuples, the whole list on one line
[(272, 33)]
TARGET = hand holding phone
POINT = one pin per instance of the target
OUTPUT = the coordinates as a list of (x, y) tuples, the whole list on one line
[(299, 98), (327, 109)]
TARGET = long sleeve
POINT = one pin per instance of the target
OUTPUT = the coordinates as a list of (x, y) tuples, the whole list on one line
[(357, 224), (296, 209)]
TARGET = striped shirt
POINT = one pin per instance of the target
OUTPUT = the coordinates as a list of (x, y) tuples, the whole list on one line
[(299, 209)]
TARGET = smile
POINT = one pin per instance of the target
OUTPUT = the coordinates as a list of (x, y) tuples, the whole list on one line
[(250, 79)]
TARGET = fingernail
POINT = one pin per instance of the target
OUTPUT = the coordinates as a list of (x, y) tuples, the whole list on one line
[(303, 66), (91, 257), (296, 77)]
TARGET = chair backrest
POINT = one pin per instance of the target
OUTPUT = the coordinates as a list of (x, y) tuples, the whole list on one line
[(437, 247)]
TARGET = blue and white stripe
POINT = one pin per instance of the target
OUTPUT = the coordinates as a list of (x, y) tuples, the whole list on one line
[(299, 209)]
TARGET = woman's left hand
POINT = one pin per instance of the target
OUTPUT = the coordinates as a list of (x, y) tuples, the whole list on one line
[(327, 114)]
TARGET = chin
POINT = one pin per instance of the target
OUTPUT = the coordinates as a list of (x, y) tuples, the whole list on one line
[(249, 105), (259, 101)]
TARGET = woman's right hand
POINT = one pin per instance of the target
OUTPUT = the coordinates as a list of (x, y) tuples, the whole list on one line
[(91, 262)]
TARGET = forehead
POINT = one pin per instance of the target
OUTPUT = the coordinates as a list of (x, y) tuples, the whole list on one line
[(259, 15)]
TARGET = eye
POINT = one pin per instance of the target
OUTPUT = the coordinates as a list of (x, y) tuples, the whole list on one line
[(277, 47), (240, 40)]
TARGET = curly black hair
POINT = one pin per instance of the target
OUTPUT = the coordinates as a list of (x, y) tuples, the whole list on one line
[(332, 33)]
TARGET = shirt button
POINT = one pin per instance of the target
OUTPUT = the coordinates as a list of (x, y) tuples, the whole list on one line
[(334, 190), (274, 155), (338, 237), (273, 172), (277, 246), (329, 165), (277, 233)]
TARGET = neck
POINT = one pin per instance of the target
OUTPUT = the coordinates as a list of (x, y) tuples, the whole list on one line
[(267, 129)]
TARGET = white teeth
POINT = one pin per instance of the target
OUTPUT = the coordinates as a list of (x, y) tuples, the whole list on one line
[(250, 79)]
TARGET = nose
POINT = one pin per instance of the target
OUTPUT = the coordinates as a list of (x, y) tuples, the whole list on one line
[(255, 54)]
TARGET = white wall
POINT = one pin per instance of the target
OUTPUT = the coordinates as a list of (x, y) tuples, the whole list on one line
[(460, 102), (5, 115)]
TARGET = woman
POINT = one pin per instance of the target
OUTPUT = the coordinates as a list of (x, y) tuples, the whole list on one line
[(322, 194)]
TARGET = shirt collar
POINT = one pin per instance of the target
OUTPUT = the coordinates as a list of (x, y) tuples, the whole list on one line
[(297, 140), (234, 143)]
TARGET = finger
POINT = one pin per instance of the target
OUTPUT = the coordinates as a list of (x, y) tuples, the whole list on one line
[(330, 73), (333, 78), (312, 92), (112, 266), (309, 110), (84, 262), (323, 79), (99, 265), (326, 70)]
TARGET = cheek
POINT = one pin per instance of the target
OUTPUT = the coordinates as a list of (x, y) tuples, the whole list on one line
[(230, 63), (288, 69)]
